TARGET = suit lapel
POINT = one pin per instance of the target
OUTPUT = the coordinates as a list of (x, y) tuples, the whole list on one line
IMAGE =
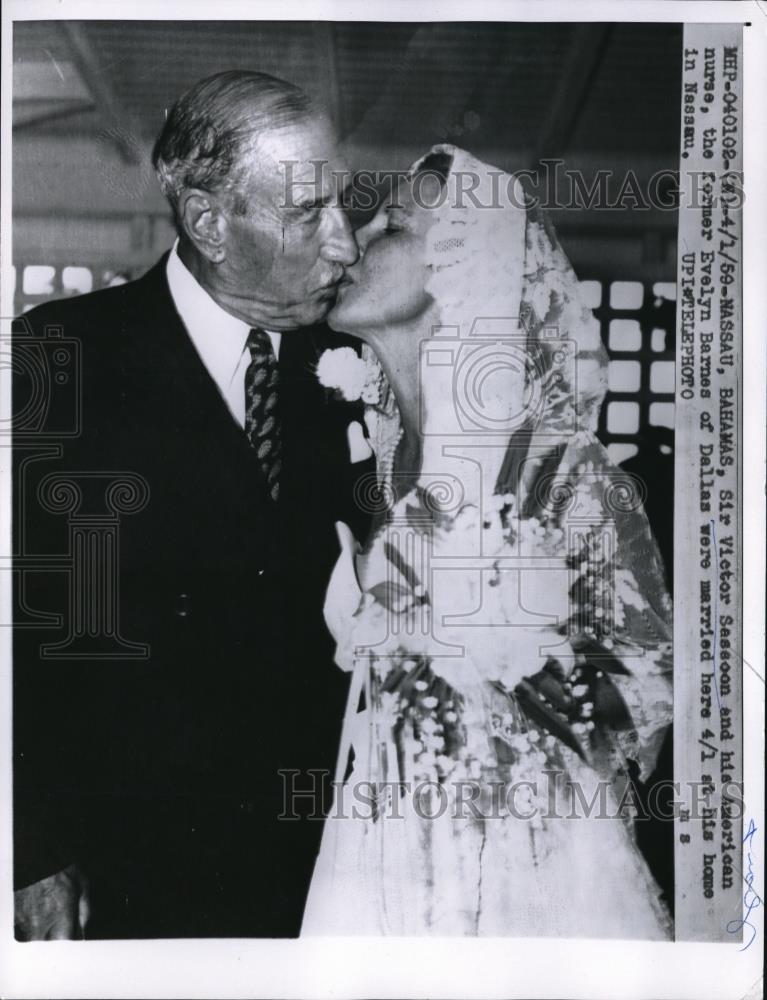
[(186, 393), (165, 357)]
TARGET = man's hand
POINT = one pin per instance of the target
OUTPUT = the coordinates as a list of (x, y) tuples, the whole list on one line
[(54, 909)]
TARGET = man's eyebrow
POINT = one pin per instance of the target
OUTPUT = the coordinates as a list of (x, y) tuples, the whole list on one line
[(321, 202), (304, 197)]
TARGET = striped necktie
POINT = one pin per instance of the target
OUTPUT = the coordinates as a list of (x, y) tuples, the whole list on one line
[(262, 422)]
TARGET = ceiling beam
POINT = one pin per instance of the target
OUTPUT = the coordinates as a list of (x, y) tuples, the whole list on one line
[(37, 112), (584, 54), (96, 78)]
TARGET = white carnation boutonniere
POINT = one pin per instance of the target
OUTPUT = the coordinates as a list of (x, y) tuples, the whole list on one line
[(344, 371)]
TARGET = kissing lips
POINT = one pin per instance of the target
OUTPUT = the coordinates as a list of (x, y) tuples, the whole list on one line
[(333, 287), (344, 283)]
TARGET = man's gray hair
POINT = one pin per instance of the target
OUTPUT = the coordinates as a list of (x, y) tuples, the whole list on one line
[(212, 126)]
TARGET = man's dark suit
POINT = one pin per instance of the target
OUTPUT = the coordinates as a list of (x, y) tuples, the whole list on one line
[(160, 775)]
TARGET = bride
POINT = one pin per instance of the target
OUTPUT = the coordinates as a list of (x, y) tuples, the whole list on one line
[(506, 625)]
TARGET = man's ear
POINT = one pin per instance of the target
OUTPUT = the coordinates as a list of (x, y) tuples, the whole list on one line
[(203, 223)]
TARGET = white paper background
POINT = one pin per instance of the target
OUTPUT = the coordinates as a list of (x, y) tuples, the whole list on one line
[(418, 968)]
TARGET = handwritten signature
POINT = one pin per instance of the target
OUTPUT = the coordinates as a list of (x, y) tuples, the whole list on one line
[(751, 899)]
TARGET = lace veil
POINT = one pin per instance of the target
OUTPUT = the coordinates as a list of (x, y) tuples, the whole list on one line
[(514, 341)]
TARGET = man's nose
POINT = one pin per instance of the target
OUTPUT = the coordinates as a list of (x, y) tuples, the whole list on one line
[(340, 246)]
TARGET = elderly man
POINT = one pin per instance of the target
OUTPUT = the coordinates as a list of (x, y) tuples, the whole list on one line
[(150, 778)]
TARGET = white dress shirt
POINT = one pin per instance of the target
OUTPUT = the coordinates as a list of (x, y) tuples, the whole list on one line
[(219, 338)]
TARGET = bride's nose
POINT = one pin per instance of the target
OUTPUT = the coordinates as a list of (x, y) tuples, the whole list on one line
[(363, 235)]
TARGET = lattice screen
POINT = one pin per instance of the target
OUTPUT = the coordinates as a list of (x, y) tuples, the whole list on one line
[(36, 283), (638, 322)]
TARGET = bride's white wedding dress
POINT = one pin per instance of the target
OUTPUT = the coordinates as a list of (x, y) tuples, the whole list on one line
[(510, 652)]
